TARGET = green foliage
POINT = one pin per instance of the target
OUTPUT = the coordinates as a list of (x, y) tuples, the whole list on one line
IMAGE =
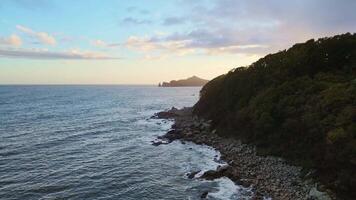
[(336, 135), (299, 103)]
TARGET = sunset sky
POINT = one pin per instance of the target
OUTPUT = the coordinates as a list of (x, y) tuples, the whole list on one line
[(148, 41)]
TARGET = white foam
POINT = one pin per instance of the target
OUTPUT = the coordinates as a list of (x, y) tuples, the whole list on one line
[(207, 158), (203, 157), (155, 127), (229, 190)]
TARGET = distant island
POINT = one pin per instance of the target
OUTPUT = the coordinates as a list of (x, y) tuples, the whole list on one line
[(189, 82)]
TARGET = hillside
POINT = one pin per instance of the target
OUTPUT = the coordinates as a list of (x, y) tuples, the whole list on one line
[(298, 103), (189, 82)]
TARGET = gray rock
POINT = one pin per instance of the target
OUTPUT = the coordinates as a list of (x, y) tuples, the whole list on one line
[(204, 195), (222, 168), (212, 174), (315, 194), (191, 175), (158, 142)]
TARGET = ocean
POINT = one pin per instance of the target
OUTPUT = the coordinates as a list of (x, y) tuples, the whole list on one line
[(94, 142)]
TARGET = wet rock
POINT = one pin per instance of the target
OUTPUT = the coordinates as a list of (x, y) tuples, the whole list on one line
[(158, 142), (169, 114), (165, 115), (214, 174), (270, 176), (191, 175), (171, 135), (222, 168), (204, 195), (211, 175)]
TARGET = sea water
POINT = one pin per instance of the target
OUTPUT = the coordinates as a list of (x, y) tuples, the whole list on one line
[(94, 142)]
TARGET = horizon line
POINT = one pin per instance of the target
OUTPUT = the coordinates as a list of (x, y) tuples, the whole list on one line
[(74, 84)]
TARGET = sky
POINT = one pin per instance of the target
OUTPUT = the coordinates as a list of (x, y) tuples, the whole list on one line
[(149, 41)]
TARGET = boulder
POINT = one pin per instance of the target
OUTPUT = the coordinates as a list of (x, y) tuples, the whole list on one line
[(204, 195), (222, 168), (218, 173), (159, 142), (211, 175), (165, 115), (315, 194), (172, 135), (191, 175)]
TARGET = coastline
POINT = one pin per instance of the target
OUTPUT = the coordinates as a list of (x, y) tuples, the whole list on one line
[(270, 177)]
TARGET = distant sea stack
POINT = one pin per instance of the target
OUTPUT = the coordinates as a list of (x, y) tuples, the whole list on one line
[(193, 81)]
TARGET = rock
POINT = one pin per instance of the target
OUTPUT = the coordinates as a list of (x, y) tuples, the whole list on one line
[(218, 160), (204, 195), (310, 174), (174, 109), (165, 115), (222, 168), (258, 197), (211, 175), (233, 174), (158, 142), (270, 176), (191, 175), (246, 184), (321, 188), (172, 113), (314, 194), (218, 173), (205, 125), (171, 135), (188, 133)]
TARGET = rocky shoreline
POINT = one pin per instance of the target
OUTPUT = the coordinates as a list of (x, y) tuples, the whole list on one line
[(269, 176)]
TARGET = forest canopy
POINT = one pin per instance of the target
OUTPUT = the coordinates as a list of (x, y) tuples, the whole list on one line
[(298, 103)]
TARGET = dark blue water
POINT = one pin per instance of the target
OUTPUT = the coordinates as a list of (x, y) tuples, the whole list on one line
[(93, 142)]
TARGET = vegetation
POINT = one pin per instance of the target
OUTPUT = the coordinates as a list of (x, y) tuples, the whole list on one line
[(298, 103)]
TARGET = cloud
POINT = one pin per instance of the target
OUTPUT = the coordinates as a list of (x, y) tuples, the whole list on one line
[(316, 15), (99, 43), (277, 21), (173, 21), (134, 21), (43, 54), (41, 37), (249, 27), (12, 40), (103, 44), (180, 45), (149, 45)]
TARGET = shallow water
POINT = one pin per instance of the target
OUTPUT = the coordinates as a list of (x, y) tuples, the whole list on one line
[(93, 142)]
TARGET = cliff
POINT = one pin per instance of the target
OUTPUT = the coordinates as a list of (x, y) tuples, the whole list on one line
[(298, 103), (189, 82)]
